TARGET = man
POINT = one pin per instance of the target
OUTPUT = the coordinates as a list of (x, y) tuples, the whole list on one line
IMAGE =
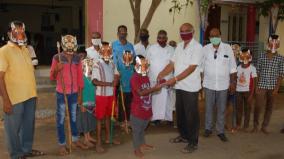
[(141, 47), (187, 80), (92, 52), (159, 56), (270, 72), (219, 67), (18, 90), (125, 69)]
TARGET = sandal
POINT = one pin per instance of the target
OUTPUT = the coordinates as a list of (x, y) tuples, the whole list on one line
[(178, 139), (34, 153)]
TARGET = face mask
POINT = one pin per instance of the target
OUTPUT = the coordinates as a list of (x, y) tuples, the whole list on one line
[(97, 42), (142, 66), (186, 36), (273, 45), (215, 40), (127, 58), (162, 43), (106, 53), (69, 44), (245, 57), (18, 35), (144, 38)]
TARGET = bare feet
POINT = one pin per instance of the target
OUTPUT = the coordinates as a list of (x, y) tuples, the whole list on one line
[(114, 141), (63, 151), (138, 153), (99, 148), (89, 144), (92, 140), (264, 130), (79, 144), (146, 147)]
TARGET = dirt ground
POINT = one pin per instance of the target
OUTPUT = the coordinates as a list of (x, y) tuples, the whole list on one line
[(240, 146)]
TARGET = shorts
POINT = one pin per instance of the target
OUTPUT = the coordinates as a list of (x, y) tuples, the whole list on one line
[(103, 107)]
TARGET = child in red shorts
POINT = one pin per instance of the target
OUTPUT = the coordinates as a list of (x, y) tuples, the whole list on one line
[(141, 105), (105, 77)]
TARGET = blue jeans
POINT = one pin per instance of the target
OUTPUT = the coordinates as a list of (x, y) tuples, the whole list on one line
[(60, 116), (19, 128)]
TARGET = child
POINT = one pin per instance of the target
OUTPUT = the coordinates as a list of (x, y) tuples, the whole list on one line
[(141, 109), (105, 76), (245, 88), (66, 69), (86, 121)]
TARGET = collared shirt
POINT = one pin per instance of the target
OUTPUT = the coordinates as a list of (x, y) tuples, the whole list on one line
[(92, 53), (19, 72), (140, 49), (125, 72), (182, 59), (218, 67), (269, 70), (104, 72), (71, 73), (158, 57)]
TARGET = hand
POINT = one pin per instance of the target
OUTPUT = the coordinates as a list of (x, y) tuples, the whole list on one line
[(83, 109), (7, 106), (275, 92), (159, 77), (170, 82), (79, 101), (158, 87), (59, 67), (232, 88)]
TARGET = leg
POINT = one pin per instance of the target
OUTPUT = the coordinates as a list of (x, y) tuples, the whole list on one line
[(180, 113), (240, 103), (28, 126), (107, 125), (210, 98), (260, 99), (221, 102), (99, 141), (60, 117), (12, 125), (136, 126), (247, 107), (72, 101), (268, 110)]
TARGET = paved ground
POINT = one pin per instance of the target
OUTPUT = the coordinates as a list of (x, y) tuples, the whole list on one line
[(241, 145)]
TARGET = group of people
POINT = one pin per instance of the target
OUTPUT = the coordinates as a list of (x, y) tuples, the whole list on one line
[(136, 85)]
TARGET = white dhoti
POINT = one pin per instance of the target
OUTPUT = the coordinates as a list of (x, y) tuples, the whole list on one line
[(163, 103)]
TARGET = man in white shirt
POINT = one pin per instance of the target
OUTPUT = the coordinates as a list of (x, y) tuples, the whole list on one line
[(159, 56), (141, 47), (219, 68), (92, 52), (185, 61)]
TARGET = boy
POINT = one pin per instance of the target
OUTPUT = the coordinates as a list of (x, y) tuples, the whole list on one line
[(141, 108), (105, 76), (66, 69), (246, 74)]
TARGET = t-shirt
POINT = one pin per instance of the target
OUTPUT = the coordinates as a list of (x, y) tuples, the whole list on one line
[(19, 77), (104, 72), (245, 76), (141, 106), (125, 72)]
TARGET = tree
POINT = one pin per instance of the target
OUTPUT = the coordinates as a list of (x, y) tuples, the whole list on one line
[(275, 10), (136, 8)]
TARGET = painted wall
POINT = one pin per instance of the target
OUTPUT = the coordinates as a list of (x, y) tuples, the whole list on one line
[(119, 12), (280, 32)]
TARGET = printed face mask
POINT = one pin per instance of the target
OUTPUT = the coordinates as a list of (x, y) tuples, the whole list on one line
[(273, 45), (245, 57), (106, 52), (69, 44), (17, 34), (142, 66), (127, 58)]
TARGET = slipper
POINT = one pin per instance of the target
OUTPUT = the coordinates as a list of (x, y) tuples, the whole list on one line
[(34, 153), (178, 139)]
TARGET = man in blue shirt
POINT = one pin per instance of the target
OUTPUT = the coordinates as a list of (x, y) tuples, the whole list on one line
[(118, 48)]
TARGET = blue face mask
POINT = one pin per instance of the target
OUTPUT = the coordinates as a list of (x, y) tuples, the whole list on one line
[(215, 40)]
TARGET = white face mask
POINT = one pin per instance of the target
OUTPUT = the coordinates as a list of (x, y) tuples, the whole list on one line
[(97, 42)]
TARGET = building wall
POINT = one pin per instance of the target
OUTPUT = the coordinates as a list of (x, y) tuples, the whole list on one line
[(119, 12)]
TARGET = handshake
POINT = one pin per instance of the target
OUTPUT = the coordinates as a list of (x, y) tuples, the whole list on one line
[(163, 83)]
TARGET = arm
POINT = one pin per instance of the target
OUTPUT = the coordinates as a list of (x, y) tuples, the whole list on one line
[(149, 91), (168, 69), (101, 83), (56, 67), (276, 89), (7, 105)]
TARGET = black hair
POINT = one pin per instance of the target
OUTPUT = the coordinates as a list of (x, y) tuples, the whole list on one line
[(144, 30), (120, 27), (139, 56), (105, 43), (163, 32), (273, 37)]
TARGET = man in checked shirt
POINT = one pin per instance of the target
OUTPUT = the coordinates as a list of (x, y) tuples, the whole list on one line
[(270, 72)]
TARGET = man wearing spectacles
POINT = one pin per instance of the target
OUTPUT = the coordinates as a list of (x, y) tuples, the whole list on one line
[(219, 68)]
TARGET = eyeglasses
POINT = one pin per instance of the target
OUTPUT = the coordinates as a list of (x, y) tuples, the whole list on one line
[(215, 54)]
